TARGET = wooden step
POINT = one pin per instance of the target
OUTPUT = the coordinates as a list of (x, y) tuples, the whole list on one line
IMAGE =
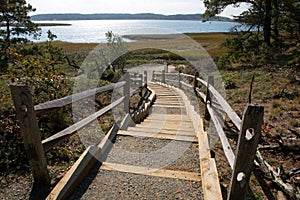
[(192, 176), (169, 106), (159, 136), (184, 131), (166, 123)]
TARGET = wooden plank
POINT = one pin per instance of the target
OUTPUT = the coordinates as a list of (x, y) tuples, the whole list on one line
[(191, 176), (204, 150), (187, 85), (169, 99), (72, 178), (188, 76), (165, 120), (174, 124), (166, 106), (246, 150), (182, 131), (159, 136), (31, 136), (208, 100), (64, 134), (65, 187), (167, 125), (226, 146), (126, 122), (163, 93), (166, 95), (210, 180), (166, 116), (230, 112), (145, 77), (209, 175), (202, 81), (126, 91), (75, 97), (201, 94), (140, 115), (167, 102)]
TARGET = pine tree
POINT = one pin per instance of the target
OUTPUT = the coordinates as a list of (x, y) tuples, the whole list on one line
[(15, 26), (273, 30)]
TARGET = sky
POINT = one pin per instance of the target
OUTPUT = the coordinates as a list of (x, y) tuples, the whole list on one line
[(166, 7)]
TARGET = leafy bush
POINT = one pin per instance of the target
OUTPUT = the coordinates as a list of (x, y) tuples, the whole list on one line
[(35, 66), (12, 151), (229, 82)]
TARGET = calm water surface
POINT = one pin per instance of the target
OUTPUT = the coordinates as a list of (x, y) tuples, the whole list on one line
[(93, 31)]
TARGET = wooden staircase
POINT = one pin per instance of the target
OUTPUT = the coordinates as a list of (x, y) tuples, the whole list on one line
[(168, 118), (141, 152)]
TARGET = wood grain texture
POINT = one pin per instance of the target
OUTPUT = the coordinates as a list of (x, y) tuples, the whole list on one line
[(75, 97), (191, 176), (31, 134), (246, 150)]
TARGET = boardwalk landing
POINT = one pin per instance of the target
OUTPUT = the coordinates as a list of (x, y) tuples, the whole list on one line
[(157, 159)]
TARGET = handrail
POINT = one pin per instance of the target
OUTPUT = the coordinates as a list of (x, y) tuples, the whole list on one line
[(187, 85), (229, 111), (203, 82), (226, 146), (76, 97), (64, 134), (137, 90), (187, 75), (249, 131), (26, 114), (223, 103)]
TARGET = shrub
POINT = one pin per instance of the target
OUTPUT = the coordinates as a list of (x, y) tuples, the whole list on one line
[(229, 82)]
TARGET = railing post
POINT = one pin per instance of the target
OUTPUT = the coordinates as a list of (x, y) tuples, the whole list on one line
[(248, 140), (163, 76), (135, 79), (145, 77), (126, 92), (179, 79), (141, 81), (196, 81), (208, 96), (26, 117), (153, 75)]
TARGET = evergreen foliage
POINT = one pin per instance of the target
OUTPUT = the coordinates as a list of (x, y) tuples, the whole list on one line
[(16, 25), (273, 35)]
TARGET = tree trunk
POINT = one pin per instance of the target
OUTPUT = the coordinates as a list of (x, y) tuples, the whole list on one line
[(276, 17), (268, 22)]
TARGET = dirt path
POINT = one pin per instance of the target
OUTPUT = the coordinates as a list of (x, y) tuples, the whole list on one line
[(150, 68)]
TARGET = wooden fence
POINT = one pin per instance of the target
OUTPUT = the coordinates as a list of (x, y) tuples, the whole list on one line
[(249, 127), (27, 117)]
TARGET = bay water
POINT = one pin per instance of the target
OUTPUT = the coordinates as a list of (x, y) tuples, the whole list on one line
[(93, 31)]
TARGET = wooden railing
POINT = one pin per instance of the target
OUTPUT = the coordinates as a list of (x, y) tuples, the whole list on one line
[(249, 127), (27, 117)]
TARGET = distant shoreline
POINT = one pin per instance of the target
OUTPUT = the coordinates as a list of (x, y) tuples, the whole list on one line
[(141, 16), (53, 24)]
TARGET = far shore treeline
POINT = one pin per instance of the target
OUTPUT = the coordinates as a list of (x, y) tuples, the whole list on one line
[(142, 16)]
